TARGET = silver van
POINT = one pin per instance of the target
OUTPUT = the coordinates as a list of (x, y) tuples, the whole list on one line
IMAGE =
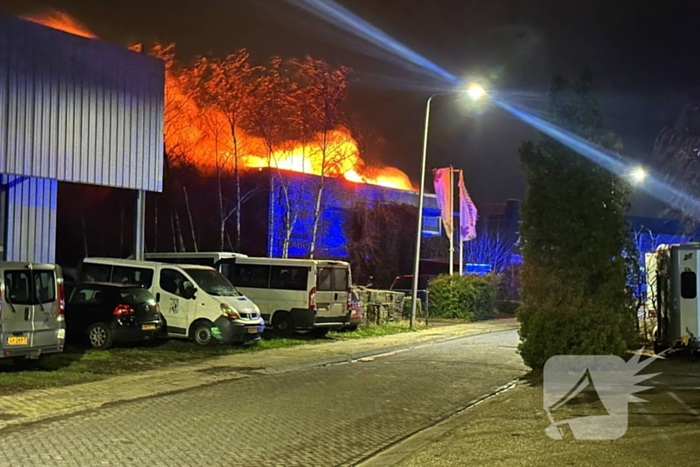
[(32, 306)]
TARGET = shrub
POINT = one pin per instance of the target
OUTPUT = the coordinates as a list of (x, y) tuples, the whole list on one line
[(508, 307), (407, 308), (465, 297)]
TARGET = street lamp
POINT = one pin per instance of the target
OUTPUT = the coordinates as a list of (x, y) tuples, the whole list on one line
[(475, 92), (638, 174)]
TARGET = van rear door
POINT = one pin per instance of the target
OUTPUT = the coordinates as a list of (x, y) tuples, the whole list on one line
[(17, 319), (332, 289), (46, 317)]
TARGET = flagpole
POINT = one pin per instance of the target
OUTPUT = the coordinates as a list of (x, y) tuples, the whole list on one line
[(452, 223), (461, 243)]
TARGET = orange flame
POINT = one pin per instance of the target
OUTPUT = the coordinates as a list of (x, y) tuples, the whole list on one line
[(61, 21), (203, 136)]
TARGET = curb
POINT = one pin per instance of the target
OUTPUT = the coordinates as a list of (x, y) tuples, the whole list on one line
[(18, 423)]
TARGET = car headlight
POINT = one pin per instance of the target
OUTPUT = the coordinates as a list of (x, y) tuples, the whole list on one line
[(228, 311)]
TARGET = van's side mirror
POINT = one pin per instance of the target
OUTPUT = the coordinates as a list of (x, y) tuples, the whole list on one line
[(190, 293), (158, 297)]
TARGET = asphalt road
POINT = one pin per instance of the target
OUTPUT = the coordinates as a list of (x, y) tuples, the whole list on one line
[(333, 415)]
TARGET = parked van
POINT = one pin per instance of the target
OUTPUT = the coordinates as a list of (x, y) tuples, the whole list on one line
[(195, 301), (293, 294), (32, 310)]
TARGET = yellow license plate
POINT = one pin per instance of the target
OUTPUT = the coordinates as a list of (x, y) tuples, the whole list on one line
[(17, 340), (252, 330), (148, 327)]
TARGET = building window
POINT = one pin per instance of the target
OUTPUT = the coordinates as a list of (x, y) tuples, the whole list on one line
[(432, 226), (689, 285)]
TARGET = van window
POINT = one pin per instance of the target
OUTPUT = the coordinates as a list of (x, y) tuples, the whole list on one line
[(324, 281), (333, 279), (91, 272), (213, 282), (132, 275), (251, 275), (289, 278), (689, 285), (30, 287), (341, 279), (174, 282)]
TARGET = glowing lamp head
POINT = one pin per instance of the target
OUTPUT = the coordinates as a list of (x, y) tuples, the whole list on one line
[(476, 92), (638, 175)]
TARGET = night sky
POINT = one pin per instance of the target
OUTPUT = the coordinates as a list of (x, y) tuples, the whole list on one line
[(644, 55)]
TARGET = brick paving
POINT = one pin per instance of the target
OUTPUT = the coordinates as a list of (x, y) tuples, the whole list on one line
[(330, 415)]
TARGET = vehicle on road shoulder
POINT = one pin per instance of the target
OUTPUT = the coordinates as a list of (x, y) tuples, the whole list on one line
[(293, 294), (672, 293), (32, 306), (109, 313), (195, 301)]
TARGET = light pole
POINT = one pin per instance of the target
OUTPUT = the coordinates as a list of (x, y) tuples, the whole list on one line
[(475, 92)]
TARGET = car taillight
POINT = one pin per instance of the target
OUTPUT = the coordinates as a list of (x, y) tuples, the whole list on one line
[(349, 298), (61, 299), (123, 310), (312, 299)]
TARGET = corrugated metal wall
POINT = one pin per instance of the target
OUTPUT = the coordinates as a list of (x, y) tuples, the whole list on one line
[(79, 110), (31, 219)]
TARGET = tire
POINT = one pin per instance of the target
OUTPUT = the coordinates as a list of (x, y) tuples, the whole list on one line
[(352, 328), (27, 363), (283, 324), (100, 336), (201, 334), (319, 332)]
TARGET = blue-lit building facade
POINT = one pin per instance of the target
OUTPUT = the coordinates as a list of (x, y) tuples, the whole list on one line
[(272, 189), (264, 238)]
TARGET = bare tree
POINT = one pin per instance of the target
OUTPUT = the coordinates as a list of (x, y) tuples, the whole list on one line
[(226, 86), (491, 246), (317, 100), (267, 118)]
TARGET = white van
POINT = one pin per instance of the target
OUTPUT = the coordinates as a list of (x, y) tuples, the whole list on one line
[(32, 307), (293, 294), (195, 301)]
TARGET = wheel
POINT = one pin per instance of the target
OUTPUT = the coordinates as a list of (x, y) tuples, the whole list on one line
[(201, 334), (27, 363), (319, 332), (352, 328), (283, 324), (100, 336)]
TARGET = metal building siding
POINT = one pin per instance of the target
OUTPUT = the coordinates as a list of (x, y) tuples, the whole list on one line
[(79, 110), (31, 219)]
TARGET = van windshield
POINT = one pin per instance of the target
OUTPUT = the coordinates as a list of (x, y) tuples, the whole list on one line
[(212, 282)]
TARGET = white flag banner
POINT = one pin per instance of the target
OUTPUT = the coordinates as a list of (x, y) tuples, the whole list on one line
[(467, 212), (443, 192)]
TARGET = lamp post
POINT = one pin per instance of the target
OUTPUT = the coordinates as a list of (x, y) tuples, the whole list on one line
[(475, 92)]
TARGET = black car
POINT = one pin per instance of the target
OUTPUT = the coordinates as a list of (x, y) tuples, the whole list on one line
[(108, 313)]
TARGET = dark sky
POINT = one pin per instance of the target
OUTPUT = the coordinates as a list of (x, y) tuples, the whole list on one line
[(645, 56)]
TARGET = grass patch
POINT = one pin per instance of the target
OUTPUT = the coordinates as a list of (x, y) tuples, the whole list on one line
[(375, 331), (78, 364)]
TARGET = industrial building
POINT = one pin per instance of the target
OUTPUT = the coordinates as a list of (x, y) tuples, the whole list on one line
[(72, 110)]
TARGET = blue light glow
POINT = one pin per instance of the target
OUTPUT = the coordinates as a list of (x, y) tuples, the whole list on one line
[(344, 19), (611, 162)]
